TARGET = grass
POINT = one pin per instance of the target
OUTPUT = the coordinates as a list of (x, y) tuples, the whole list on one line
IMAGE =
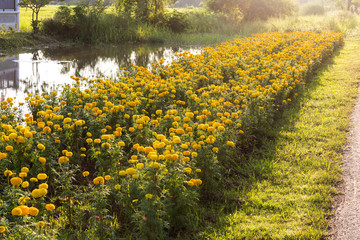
[(285, 190), (25, 16)]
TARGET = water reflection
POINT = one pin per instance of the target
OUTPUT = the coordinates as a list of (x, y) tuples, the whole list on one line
[(9, 74), (49, 69)]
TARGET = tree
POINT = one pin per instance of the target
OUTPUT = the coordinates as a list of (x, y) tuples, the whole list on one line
[(253, 9), (35, 6), (143, 9)]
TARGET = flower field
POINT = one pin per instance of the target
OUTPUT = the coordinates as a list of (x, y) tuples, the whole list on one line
[(132, 156)]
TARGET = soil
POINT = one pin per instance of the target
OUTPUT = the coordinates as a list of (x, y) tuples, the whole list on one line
[(346, 221)]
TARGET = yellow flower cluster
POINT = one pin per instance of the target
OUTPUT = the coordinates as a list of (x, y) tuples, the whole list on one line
[(152, 131)]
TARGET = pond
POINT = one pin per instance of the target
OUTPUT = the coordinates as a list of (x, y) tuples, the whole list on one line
[(49, 69)]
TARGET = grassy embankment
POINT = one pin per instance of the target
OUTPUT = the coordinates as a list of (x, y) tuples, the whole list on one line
[(292, 178), (13, 40)]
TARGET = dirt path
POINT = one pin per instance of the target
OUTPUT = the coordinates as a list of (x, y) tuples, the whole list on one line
[(346, 222)]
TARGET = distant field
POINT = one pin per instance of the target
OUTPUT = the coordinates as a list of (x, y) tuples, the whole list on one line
[(25, 16)]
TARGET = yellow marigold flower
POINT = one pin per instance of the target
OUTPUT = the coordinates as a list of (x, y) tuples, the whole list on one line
[(25, 184), (135, 176), (131, 129), (98, 180), (184, 146), (42, 159), (3, 155), (107, 177), (16, 211), (230, 143), (198, 170), (105, 137), (33, 179), (24, 210), (130, 171), (16, 181), (2, 229), (8, 173), (9, 148), (41, 223), (44, 186), (177, 140), (188, 170), (140, 166), (180, 131), (85, 173), (67, 120), (122, 173), (28, 134), (63, 159), (25, 169), (89, 140), (42, 176), (12, 136), (20, 139), (69, 154), (33, 211), (97, 140), (50, 207), (23, 174), (148, 196), (117, 186), (41, 146), (121, 144)]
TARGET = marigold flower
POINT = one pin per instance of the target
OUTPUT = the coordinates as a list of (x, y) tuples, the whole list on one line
[(50, 207), (130, 171), (85, 173), (117, 186), (42, 176), (33, 211), (148, 196), (24, 210), (98, 180), (41, 146), (230, 143), (16, 211), (24, 169), (9, 148), (8, 173), (41, 223), (25, 184), (23, 174), (16, 181), (107, 177), (42, 159), (44, 186), (2, 229), (33, 179)]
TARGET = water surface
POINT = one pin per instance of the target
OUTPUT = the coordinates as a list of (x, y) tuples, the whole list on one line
[(48, 69)]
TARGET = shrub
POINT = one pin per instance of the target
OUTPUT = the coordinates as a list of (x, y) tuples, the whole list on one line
[(313, 9)]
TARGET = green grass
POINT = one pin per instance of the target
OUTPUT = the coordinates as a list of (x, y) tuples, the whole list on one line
[(285, 190), (25, 16)]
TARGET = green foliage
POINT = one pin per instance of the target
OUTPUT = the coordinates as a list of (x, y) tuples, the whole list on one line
[(35, 6), (142, 10), (252, 9), (313, 9)]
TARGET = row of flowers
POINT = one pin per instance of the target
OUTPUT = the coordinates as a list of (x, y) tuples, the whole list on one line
[(133, 155)]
